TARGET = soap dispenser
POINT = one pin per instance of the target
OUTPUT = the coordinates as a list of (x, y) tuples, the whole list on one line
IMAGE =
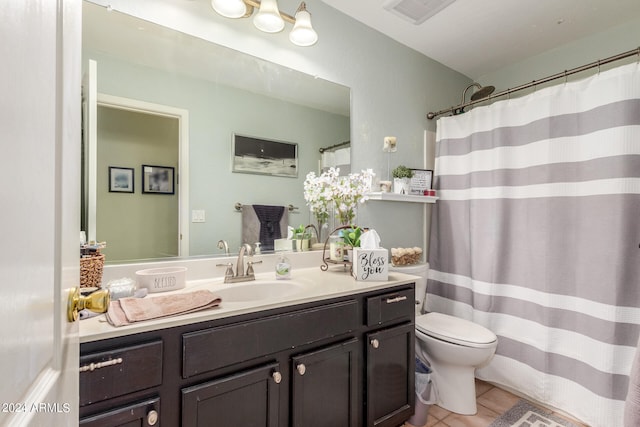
[(283, 268)]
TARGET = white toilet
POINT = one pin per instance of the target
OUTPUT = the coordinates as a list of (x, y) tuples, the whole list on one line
[(453, 347)]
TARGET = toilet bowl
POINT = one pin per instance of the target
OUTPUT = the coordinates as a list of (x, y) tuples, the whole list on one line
[(453, 347)]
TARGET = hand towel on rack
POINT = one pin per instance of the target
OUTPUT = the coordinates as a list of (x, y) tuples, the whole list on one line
[(129, 310), (269, 217), (264, 224)]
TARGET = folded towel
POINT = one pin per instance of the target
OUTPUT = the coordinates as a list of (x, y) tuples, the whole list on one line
[(632, 404), (129, 310)]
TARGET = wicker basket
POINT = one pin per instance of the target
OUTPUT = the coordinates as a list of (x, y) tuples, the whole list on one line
[(91, 271)]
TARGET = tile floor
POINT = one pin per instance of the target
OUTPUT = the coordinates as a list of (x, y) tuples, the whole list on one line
[(492, 402)]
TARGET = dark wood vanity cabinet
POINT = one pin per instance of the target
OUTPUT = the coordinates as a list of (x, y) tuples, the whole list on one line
[(247, 398), (341, 362), (325, 386)]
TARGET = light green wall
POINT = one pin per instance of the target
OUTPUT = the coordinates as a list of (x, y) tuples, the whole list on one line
[(137, 225)]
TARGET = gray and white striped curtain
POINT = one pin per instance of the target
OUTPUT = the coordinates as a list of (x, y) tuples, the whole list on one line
[(536, 236)]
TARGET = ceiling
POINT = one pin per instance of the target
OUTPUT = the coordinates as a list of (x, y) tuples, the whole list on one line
[(478, 37)]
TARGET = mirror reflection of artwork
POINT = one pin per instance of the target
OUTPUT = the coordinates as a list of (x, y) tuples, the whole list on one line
[(120, 180), (262, 156), (158, 179)]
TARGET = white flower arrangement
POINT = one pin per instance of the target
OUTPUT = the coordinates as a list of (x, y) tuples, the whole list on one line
[(342, 192)]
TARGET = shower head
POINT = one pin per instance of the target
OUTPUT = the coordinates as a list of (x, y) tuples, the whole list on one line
[(482, 92)]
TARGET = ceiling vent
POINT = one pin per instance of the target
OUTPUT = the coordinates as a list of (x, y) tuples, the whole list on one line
[(416, 11)]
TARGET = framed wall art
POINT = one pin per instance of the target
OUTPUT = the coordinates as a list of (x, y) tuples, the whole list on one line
[(264, 156), (421, 181), (121, 180), (158, 179)]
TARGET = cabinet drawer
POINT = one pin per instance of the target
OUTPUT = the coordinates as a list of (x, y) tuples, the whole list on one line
[(120, 371), (141, 414), (390, 306), (214, 348)]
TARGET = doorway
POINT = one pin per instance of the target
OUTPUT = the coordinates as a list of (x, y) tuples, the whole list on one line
[(135, 138)]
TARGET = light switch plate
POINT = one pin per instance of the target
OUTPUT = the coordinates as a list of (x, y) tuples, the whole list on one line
[(197, 216)]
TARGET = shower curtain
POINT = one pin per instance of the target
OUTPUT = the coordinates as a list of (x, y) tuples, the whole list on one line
[(536, 236)]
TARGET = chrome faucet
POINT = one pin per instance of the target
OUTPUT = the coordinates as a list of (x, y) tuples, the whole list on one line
[(240, 274), (244, 249), (222, 244)]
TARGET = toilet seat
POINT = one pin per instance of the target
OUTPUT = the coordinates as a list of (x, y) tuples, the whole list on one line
[(455, 330)]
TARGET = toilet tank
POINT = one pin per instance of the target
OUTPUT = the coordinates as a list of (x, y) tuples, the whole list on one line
[(421, 270)]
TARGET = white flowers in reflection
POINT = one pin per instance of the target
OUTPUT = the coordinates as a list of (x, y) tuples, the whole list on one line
[(342, 193)]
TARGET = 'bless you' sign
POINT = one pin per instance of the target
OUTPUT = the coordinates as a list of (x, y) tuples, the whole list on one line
[(371, 264)]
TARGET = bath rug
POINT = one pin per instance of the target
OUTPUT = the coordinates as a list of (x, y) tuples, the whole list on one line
[(524, 414)]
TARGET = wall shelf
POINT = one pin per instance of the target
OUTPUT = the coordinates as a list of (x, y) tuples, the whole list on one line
[(394, 197)]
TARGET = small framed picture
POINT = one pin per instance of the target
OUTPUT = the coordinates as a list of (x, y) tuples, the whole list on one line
[(421, 181), (120, 180), (158, 179)]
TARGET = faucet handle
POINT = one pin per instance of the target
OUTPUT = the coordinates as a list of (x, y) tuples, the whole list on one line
[(250, 267), (229, 271)]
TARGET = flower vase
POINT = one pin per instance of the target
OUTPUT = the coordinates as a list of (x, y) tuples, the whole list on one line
[(345, 218), (323, 232)]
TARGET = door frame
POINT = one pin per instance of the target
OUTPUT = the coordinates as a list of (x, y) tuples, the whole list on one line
[(182, 115)]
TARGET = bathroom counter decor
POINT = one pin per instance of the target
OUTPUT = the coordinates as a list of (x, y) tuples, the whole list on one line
[(328, 252)]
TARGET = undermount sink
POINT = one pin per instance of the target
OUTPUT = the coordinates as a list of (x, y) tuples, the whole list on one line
[(258, 290)]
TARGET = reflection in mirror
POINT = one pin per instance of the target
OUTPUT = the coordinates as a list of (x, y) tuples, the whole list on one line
[(224, 92)]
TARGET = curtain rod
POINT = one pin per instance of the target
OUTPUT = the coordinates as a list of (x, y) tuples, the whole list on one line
[(566, 73), (331, 147)]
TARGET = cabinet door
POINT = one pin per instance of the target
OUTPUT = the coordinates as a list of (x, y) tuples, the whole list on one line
[(141, 414), (390, 376), (325, 387), (248, 399)]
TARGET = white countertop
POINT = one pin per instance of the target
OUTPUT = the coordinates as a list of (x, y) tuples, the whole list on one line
[(318, 286)]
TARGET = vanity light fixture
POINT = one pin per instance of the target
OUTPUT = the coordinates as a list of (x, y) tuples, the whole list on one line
[(269, 18)]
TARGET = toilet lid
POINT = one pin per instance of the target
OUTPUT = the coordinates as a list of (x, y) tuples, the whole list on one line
[(453, 329)]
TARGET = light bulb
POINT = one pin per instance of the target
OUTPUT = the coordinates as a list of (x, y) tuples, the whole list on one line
[(229, 8), (303, 33), (268, 18)]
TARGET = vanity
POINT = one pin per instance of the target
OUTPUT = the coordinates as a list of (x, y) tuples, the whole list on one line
[(337, 352)]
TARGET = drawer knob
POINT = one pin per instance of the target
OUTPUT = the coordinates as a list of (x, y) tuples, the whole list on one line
[(375, 343), (152, 417), (301, 368), (93, 366), (277, 377)]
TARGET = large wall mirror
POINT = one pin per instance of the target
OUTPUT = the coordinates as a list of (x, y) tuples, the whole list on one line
[(217, 93)]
